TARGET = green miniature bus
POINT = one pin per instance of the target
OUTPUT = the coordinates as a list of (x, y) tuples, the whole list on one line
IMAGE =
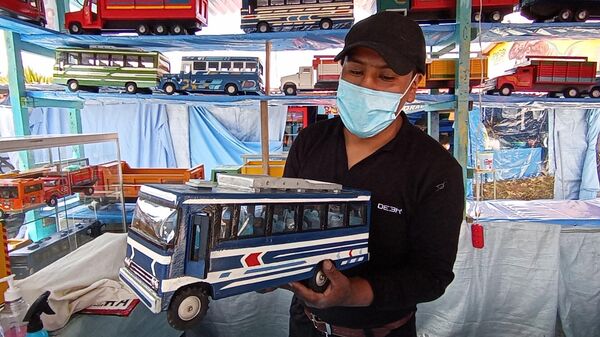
[(91, 68)]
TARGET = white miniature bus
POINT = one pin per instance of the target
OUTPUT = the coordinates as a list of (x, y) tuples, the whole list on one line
[(245, 234)]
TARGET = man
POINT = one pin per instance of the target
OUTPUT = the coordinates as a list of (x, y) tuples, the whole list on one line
[(416, 188)]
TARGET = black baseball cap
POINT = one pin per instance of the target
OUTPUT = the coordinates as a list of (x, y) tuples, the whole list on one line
[(398, 39)]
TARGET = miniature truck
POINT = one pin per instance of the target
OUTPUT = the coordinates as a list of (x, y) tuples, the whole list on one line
[(28, 10), (441, 73), (323, 75), (20, 194), (159, 17), (560, 10), (428, 10), (571, 76), (134, 178)]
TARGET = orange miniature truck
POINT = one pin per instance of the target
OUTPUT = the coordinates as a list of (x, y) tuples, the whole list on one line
[(134, 178)]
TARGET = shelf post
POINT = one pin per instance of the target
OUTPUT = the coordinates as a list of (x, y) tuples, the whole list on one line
[(62, 7), (463, 32), (264, 112), (75, 128)]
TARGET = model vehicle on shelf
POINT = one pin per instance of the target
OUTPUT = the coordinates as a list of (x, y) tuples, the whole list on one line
[(560, 10), (571, 76), (20, 194), (160, 17), (286, 15), (324, 74), (247, 233), (134, 178), (441, 73), (78, 179), (28, 10), (91, 68), (427, 10), (216, 74)]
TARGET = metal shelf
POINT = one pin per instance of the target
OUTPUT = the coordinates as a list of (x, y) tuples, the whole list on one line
[(10, 144)]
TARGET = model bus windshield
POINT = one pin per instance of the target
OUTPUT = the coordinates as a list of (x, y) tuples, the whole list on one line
[(156, 222), (8, 192)]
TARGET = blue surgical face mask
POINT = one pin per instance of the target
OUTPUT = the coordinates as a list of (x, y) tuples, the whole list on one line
[(366, 112)]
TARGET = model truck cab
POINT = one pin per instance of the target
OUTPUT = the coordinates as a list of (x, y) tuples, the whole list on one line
[(324, 74), (30, 10)]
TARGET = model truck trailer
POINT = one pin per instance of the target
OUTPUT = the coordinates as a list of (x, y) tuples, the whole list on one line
[(28, 10), (571, 76), (323, 75), (149, 16), (134, 178), (561, 10), (428, 10), (441, 73)]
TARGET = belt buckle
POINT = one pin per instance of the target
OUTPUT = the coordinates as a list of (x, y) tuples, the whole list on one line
[(315, 320)]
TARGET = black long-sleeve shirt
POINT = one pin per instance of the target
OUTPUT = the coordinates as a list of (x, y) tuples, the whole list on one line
[(417, 204)]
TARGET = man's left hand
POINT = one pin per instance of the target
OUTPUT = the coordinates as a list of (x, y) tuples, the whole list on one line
[(342, 291)]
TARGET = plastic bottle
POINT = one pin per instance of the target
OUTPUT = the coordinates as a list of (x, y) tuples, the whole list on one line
[(15, 308), (35, 327)]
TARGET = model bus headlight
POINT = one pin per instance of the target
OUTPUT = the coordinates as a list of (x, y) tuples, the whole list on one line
[(127, 262), (154, 283)]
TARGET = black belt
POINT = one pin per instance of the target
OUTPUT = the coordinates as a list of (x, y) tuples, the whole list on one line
[(330, 329)]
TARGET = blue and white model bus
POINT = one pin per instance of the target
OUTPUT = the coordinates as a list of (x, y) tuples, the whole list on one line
[(216, 74), (187, 244), (285, 15)]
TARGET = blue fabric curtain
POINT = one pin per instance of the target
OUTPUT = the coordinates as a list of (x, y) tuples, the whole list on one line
[(590, 186)]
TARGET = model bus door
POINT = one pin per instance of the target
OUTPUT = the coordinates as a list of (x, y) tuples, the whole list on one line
[(90, 12), (197, 248)]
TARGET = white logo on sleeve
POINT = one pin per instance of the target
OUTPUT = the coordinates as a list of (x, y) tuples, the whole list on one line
[(389, 208)]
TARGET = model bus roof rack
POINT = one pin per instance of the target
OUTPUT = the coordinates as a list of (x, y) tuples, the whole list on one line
[(259, 182)]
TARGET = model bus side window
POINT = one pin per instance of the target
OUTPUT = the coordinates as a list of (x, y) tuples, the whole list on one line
[(357, 214), (335, 215), (312, 217), (292, 2), (238, 66), (103, 60), (88, 59), (131, 61), (117, 61), (226, 66), (199, 66), (32, 188), (196, 239), (277, 2), (213, 66), (251, 66), (262, 3), (73, 58), (284, 219), (252, 220), (226, 221), (147, 61)]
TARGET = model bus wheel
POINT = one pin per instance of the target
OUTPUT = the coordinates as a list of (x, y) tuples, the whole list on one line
[(169, 88), (75, 28), (319, 281), (476, 17), (571, 92), (289, 90), (73, 85), (160, 29), (231, 89), (177, 29), (595, 92), (188, 306), (130, 87), (88, 191), (496, 16), (565, 15), (142, 29), (582, 15), (52, 202), (506, 90), (325, 24), (263, 27)]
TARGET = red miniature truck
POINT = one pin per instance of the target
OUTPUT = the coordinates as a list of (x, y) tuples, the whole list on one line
[(71, 180), (571, 76), (150, 16), (134, 178), (28, 10), (327, 76), (428, 10)]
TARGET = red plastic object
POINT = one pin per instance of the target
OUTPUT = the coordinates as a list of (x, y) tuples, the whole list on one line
[(477, 235)]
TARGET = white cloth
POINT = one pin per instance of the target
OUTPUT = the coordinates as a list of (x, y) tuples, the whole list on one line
[(86, 276)]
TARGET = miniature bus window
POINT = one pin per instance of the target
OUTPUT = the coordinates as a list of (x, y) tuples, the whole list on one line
[(88, 59), (226, 218), (284, 218), (103, 59), (225, 65), (213, 66), (73, 58), (311, 217), (292, 2), (199, 66), (252, 220), (147, 62), (335, 216), (9, 192), (277, 2), (131, 61), (238, 66), (357, 214), (154, 221), (263, 2), (33, 188), (251, 66), (117, 61), (309, 1), (196, 236)]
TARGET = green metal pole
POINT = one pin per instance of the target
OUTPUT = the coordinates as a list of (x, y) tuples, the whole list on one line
[(463, 37), (62, 7), (75, 127)]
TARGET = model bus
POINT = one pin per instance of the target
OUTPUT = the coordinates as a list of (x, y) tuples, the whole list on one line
[(145, 17), (89, 69), (28, 10), (19, 195), (427, 10), (216, 74), (286, 15), (572, 10), (248, 233)]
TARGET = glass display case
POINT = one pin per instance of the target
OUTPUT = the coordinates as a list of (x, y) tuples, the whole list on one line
[(55, 195)]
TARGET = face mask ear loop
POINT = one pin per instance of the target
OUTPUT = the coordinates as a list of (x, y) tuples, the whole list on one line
[(404, 95)]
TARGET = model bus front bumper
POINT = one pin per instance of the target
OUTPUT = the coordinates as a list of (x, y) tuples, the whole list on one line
[(145, 293)]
